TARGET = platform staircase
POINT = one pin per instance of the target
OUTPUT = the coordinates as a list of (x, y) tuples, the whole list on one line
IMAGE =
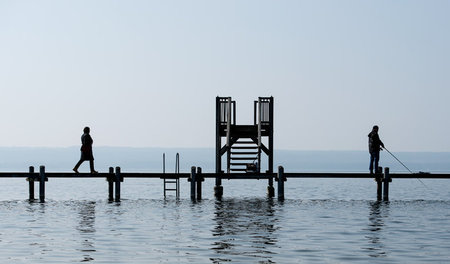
[(243, 156)]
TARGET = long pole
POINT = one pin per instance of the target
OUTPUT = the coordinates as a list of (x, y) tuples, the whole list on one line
[(398, 160), (404, 166)]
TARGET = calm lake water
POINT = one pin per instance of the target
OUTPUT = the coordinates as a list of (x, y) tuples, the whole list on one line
[(321, 221)]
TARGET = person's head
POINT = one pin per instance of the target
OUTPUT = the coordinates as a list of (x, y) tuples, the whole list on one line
[(86, 130), (375, 128)]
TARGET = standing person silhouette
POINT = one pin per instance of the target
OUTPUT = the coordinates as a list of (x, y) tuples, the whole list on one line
[(375, 145), (86, 151)]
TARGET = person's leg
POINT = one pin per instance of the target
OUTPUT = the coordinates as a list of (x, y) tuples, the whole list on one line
[(371, 163), (91, 164), (75, 169), (377, 159)]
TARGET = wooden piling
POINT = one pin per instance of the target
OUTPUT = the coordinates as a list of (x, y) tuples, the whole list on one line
[(42, 184), (31, 184), (379, 180), (281, 180), (117, 182), (387, 180), (270, 189), (218, 189), (199, 180), (193, 183), (110, 180)]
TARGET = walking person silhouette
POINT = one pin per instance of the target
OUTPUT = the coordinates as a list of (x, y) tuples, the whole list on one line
[(86, 151), (375, 145)]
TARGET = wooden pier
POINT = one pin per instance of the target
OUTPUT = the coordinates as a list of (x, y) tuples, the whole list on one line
[(245, 146), (115, 177)]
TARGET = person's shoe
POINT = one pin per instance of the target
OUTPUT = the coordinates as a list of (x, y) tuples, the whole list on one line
[(94, 172), (75, 170)]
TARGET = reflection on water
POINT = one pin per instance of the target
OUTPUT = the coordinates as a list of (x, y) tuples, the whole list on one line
[(250, 230), (86, 228), (244, 228), (378, 212)]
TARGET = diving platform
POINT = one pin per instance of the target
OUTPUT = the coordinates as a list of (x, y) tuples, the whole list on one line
[(244, 145)]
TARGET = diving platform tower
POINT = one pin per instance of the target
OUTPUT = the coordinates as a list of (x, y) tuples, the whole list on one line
[(245, 146)]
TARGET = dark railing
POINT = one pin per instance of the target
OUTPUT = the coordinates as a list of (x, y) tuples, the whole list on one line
[(225, 107)]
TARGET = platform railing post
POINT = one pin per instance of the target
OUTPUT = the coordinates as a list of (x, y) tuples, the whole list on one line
[(110, 180), (379, 179), (281, 180), (117, 182), (199, 180), (31, 184), (387, 180), (42, 184), (193, 182)]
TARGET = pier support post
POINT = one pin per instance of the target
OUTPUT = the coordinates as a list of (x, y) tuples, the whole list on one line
[(379, 180), (199, 179), (270, 189), (110, 180), (281, 180), (218, 189), (31, 184), (117, 182), (193, 182), (387, 180), (42, 184)]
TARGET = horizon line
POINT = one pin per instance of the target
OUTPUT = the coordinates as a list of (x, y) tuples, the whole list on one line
[(212, 148)]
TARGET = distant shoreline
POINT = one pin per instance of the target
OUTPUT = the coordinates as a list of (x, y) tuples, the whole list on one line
[(150, 159)]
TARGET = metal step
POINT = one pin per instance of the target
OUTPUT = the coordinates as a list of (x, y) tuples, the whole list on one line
[(244, 153), (238, 164), (238, 169), (245, 142), (240, 147), (243, 158)]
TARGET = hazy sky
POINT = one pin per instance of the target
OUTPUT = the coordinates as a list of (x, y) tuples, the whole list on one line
[(146, 73)]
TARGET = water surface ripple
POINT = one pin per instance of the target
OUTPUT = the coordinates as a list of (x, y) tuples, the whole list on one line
[(317, 225), (256, 230)]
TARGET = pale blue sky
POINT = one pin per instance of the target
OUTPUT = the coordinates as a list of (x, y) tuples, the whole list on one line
[(146, 73)]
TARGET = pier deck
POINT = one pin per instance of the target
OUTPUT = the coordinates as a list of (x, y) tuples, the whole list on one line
[(245, 176), (196, 177)]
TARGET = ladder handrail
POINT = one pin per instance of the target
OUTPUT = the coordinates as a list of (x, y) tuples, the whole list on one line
[(177, 171), (177, 163), (164, 172), (164, 163)]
